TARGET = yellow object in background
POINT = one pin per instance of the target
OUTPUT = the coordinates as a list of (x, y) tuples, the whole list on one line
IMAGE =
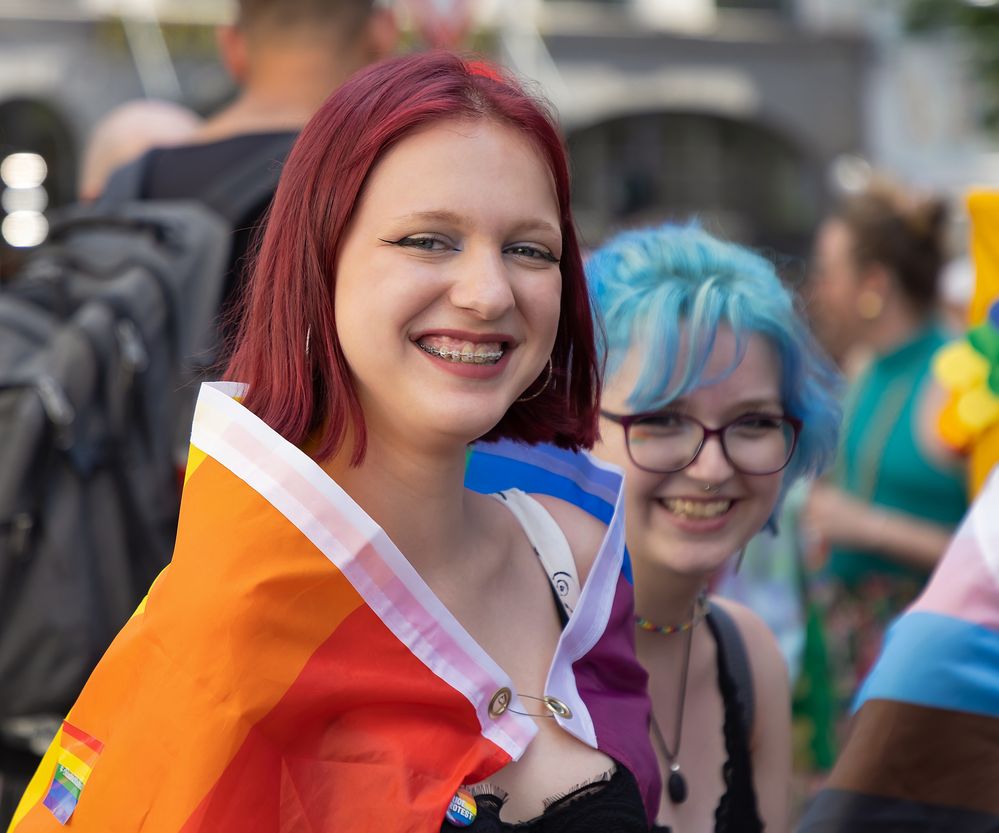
[(959, 366), (983, 207)]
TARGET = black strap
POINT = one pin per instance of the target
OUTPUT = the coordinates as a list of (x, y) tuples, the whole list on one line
[(737, 660)]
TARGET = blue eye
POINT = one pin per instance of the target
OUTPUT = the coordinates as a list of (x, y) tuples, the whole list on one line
[(531, 252)]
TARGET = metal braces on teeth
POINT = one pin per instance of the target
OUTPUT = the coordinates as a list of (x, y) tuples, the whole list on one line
[(467, 358)]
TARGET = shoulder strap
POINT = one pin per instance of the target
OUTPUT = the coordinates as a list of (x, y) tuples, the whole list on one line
[(549, 543), (737, 661)]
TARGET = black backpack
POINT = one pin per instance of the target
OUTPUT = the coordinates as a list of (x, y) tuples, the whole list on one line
[(104, 337)]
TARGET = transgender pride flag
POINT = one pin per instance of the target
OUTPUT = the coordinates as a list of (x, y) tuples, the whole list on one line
[(923, 752), (290, 670)]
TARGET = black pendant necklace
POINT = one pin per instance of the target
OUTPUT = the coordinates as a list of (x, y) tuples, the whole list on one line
[(676, 784)]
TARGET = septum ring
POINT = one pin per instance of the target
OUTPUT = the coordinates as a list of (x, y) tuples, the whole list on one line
[(710, 488)]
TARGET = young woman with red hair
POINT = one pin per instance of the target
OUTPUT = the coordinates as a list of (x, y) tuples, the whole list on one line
[(348, 638), (419, 288)]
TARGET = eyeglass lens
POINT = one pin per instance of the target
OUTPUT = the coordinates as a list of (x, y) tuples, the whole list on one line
[(755, 444)]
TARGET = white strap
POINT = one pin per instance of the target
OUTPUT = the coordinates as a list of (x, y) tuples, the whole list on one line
[(549, 542)]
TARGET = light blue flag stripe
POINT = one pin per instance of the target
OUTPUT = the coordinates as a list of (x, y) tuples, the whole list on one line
[(938, 661)]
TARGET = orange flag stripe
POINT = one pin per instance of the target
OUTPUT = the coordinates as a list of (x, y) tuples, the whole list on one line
[(174, 672)]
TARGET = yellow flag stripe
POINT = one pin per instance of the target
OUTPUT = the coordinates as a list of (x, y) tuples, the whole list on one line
[(79, 768), (39, 784), (195, 457)]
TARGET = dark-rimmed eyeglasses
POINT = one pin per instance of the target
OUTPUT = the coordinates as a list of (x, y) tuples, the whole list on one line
[(667, 442)]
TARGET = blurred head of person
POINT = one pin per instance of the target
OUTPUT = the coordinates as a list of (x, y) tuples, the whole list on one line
[(128, 131), (336, 329), (716, 397), (876, 265), (275, 40)]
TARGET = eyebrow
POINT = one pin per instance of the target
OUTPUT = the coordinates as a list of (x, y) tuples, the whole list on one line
[(530, 224), (761, 404)]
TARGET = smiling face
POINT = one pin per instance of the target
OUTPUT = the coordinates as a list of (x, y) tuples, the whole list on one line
[(448, 284), (671, 522)]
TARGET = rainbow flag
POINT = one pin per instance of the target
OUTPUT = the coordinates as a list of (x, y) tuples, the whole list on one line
[(923, 751), (290, 671)]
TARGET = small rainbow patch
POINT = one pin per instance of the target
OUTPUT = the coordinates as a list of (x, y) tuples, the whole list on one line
[(77, 755)]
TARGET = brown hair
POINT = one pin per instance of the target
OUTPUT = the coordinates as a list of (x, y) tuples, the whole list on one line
[(900, 231)]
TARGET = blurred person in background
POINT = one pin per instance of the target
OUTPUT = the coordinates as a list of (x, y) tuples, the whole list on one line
[(884, 518), (923, 749), (128, 131), (717, 399), (286, 57)]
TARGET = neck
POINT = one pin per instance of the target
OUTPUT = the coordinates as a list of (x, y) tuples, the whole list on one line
[(417, 497), (281, 93), (663, 596)]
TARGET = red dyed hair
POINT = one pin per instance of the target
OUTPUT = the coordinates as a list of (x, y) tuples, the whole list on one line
[(310, 394)]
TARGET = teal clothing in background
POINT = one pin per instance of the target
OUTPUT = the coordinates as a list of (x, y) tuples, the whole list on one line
[(880, 461)]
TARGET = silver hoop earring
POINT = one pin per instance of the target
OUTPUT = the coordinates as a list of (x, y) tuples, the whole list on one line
[(738, 561), (308, 339), (544, 386)]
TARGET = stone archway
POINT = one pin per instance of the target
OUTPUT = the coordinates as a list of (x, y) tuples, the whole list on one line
[(742, 179)]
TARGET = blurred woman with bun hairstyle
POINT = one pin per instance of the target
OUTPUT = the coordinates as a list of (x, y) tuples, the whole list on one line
[(882, 521)]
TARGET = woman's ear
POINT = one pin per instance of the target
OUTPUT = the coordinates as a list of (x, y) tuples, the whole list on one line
[(231, 42), (875, 286)]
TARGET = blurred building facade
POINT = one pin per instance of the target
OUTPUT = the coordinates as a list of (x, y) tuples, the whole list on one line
[(739, 112)]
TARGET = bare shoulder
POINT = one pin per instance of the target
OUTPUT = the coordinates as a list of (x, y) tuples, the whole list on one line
[(765, 657), (583, 532)]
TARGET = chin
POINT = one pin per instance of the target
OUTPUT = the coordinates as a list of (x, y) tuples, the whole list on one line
[(692, 558), (466, 431)]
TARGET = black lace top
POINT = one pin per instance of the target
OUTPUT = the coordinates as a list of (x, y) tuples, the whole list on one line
[(609, 804), (736, 811)]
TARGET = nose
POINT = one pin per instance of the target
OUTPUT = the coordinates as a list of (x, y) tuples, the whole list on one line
[(482, 285), (711, 465)]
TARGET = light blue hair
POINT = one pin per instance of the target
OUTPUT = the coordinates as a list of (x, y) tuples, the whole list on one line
[(644, 283)]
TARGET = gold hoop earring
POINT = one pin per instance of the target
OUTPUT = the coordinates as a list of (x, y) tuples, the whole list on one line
[(870, 304), (544, 386)]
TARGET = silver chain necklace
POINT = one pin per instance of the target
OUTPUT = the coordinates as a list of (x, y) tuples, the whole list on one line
[(676, 784)]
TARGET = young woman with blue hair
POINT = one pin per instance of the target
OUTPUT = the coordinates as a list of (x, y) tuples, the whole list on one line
[(716, 399)]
